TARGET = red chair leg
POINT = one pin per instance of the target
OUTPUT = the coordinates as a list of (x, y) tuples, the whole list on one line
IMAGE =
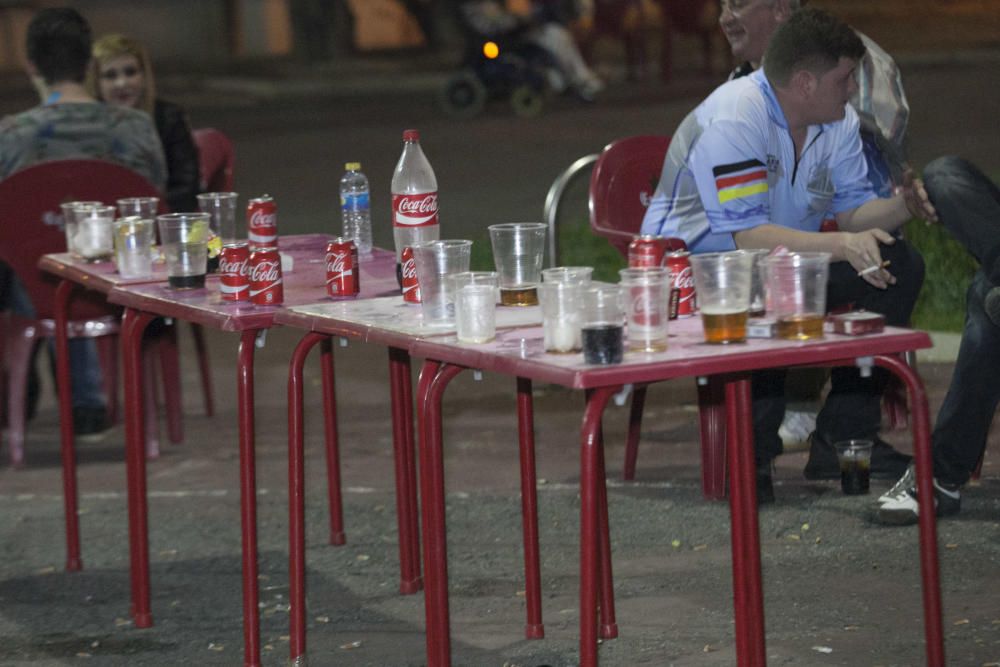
[(20, 344), (107, 351), (634, 429), (171, 369), (152, 426), (207, 394)]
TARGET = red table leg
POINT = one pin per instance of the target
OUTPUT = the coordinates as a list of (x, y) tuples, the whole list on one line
[(634, 431), (133, 327), (534, 629), (712, 417), (406, 471), (248, 499), (334, 497), (748, 599), (590, 482), (74, 561), (933, 632)]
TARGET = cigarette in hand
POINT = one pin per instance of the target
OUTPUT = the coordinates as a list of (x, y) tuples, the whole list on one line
[(873, 268)]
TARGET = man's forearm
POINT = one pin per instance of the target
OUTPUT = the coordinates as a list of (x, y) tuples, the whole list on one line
[(886, 214), (770, 236)]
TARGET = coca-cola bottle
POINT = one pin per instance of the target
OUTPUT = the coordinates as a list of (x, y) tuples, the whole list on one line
[(414, 199)]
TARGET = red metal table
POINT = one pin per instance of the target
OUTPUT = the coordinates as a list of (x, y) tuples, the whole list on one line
[(99, 277), (391, 322), (305, 283), (519, 353)]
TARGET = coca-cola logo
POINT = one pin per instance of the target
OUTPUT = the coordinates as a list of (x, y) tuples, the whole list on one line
[(268, 271), (418, 204), (237, 267), (409, 269), (260, 219), (335, 262), (684, 279)]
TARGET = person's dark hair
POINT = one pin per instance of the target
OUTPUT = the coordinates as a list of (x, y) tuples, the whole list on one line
[(58, 44), (810, 39)]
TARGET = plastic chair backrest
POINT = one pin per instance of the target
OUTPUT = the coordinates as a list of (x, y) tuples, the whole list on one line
[(622, 185), (215, 157), (31, 222)]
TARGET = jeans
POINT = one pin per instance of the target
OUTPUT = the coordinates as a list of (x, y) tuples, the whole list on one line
[(84, 365), (968, 205), (853, 406)]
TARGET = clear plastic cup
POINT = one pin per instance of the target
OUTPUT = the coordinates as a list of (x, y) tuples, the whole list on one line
[(855, 458), (518, 250), (184, 237), (475, 309), (222, 207), (568, 274), (144, 207), (562, 316), (602, 326), (646, 296), (435, 260), (134, 240), (69, 221), (796, 285), (94, 239), (722, 281)]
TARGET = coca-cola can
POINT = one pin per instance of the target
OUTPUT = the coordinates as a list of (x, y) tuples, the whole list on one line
[(411, 286), (262, 222), (646, 251), (234, 271), (266, 285), (342, 268), (683, 301)]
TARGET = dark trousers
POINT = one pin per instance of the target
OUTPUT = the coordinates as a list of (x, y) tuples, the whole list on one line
[(968, 205), (853, 406)]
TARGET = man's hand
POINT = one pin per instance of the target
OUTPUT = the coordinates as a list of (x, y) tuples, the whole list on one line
[(915, 197), (861, 250)]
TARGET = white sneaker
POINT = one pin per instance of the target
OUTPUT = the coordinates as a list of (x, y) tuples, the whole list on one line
[(795, 429), (898, 506)]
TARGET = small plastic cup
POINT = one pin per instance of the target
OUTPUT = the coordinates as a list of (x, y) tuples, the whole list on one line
[(722, 281), (646, 295), (94, 240), (476, 313), (184, 237), (435, 260), (855, 457), (134, 241), (222, 207), (518, 250), (568, 274), (796, 286), (602, 330), (69, 210), (562, 313), (144, 207)]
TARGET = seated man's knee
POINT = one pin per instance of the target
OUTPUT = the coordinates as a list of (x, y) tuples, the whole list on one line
[(944, 173)]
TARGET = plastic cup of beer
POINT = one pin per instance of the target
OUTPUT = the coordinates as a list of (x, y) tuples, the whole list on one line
[(602, 328), (646, 295), (855, 458), (435, 260), (475, 309), (222, 207), (69, 210), (722, 282), (184, 237), (796, 285), (94, 240), (134, 240), (568, 274), (562, 311), (518, 250), (144, 207)]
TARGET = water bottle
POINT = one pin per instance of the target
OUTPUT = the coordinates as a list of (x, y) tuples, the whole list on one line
[(355, 208), (414, 198)]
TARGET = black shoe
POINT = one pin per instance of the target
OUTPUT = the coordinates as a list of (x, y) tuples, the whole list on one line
[(90, 420), (765, 485), (992, 305), (887, 463)]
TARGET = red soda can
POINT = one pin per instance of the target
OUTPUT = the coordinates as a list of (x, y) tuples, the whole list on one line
[(342, 268), (262, 222), (683, 301), (234, 271), (266, 285), (411, 287), (646, 251)]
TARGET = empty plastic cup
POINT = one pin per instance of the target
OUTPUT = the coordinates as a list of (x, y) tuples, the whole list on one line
[(435, 260), (796, 286), (94, 240), (646, 295), (222, 207), (69, 210), (476, 295), (134, 240), (184, 237), (518, 250), (562, 313), (722, 282), (144, 207), (568, 274)]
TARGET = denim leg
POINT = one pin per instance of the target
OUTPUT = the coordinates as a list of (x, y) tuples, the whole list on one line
[(963, 423), (968, 205), (853, 407)]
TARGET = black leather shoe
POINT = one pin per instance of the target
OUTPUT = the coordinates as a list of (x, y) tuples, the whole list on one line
[(90, 420), (887, 463), (765, 485)]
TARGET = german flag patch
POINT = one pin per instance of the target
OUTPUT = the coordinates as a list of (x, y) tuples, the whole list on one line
[(740, 179)]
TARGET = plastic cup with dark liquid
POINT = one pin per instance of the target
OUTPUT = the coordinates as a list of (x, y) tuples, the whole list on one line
[(855, 457), (184, 237), (603, 326)]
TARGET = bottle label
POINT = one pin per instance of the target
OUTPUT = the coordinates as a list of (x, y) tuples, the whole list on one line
[(354, 202), (415, 210)]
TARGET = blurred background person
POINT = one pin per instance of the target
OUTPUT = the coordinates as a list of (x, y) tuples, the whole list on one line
[(121, 74)]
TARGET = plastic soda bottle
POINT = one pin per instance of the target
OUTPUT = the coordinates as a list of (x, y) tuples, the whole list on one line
[(354, 206), (414, 198)]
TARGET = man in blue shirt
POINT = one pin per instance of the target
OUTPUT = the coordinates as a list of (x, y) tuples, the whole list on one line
[(759, 164)]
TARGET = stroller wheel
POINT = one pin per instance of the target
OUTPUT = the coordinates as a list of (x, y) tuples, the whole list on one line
[(463, 96), (527, 101)]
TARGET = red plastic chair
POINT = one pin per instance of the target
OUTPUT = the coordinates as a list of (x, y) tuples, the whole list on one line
[(216, 158)]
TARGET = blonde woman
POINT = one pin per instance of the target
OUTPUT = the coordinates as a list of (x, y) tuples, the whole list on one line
[(121, 74)]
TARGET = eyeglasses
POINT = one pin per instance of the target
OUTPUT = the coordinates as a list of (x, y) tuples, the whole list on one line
[(127, 72)]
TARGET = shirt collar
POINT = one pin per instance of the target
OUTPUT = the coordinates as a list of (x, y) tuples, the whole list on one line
[(774, 109)]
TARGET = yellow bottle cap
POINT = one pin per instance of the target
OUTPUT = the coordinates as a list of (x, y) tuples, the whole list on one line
[(353, 166)]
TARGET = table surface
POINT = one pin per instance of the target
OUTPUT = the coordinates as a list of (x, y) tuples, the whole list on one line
[(98, 276)]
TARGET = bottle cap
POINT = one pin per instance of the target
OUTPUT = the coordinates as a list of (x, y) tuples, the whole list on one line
[(411, 135), (353, 166)]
